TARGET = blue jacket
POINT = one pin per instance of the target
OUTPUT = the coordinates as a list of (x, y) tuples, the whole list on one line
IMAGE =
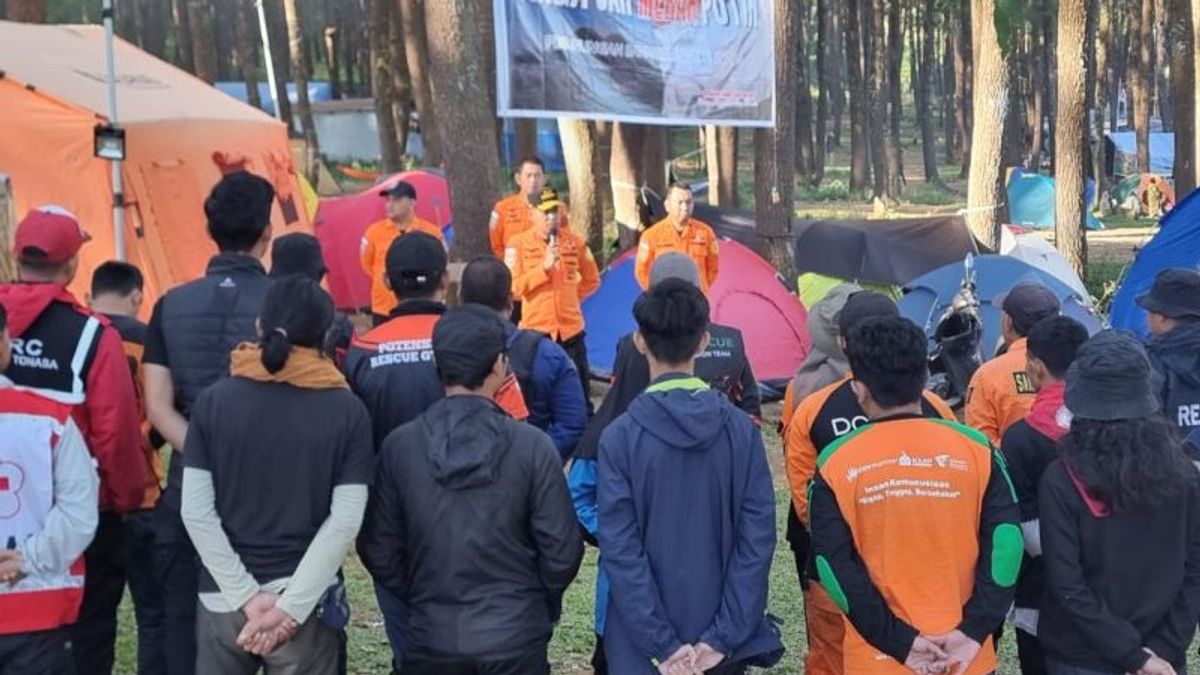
[(554, 396), (687, 527)]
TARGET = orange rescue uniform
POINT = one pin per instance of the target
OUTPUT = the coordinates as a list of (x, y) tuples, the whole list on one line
[(373, 257), (551, 301), (1000, 393), (697, 241), (915, 530), (514, 215)]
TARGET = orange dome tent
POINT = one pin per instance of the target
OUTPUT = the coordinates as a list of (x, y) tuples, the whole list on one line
[(181, 135)]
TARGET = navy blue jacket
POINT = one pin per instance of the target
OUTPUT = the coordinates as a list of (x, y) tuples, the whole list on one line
[(1176, 358), (687, 527), (554, 396)]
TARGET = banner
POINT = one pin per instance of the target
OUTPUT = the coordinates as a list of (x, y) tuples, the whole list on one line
[(678, 62)]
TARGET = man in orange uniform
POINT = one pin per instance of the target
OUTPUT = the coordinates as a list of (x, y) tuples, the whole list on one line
[(553, 271), (401, 219), (517, 213), (915, 523), (681, 233), (820, 420), (1000, 393)]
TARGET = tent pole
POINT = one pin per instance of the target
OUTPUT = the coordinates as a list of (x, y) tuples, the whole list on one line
[(266, 41), (117, 179)]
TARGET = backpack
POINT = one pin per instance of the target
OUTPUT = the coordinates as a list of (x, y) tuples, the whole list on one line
[(521, 355)]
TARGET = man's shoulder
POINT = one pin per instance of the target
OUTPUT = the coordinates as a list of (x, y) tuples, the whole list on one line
[(820, 400), (704, 227)]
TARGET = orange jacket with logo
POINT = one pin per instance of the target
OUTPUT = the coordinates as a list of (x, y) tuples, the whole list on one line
[(133, 341), (512, 216), (551, 301), (1000, 393), (823, 417), (915, 530), (373, 257), (697, 241)]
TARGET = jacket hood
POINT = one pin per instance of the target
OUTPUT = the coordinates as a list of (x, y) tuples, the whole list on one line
[(682, 412), (1179, 351), (825, 362), (467, 435), (26, 302)]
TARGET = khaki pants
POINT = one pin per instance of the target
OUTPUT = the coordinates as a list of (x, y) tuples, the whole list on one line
[(314, 650)]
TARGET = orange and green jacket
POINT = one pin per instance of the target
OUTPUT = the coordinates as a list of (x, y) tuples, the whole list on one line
[(1000, 393), (697, 241), (551, 302), (822, 418), (916, 532), (512, 216), (373, 257)]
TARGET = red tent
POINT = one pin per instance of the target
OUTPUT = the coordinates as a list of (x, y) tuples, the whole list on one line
[(341, 222)]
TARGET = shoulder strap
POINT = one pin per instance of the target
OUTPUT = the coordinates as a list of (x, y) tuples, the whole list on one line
[(521, 355)]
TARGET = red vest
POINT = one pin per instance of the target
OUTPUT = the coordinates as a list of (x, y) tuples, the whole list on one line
[(30, 427)]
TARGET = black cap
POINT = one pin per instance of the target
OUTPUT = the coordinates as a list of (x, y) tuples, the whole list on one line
[(415, 262), (467, 340), (1175, 294), (1111, 379), (864, 305), (298, 253), (1027, 304), (400, 189)]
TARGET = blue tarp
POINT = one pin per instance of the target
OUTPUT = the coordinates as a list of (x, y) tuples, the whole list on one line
[(608, 313), (549, 145), (1031, 201), (317, 91), (1162, 149), (1177, 244), (926, 299)]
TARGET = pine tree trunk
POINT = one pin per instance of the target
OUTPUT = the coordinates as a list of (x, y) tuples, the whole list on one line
[(860, 171), (300, 70), (985, 191), (1141, 27), (1049, 98), (247, 53), (1162, 59), (964, 76), (925, 93), (278, 31), (204, 47), (1070, 205), (1037, 99), (183, 36), (949, 96), (581, 153), (416, 50), (895, 152), (774, 161), (27, 11), (835, 50), (1118, 55), (627, 174), (721, 153), (460, 99), (1103, 23), (804, 159), (1183, 92), (654, 156), (154, 27), (824, 94), (526, 139), (878, 86), (402, 104), (333, 61), (382, 85)]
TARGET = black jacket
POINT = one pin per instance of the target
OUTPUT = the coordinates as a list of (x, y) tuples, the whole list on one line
[(471, 524), (1120, 582), (1176, 358), (195, 326), (723, 367), (1028, 452), (391, 368)]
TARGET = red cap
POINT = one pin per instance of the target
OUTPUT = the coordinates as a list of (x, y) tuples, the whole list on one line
[(50, 235)]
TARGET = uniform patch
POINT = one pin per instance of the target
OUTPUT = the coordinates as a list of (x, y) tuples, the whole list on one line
[(1023, 384)]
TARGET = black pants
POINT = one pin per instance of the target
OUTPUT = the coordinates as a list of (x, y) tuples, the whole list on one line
[(534, 661), (46, 652), (179, 573), (1030, 654), (576, 348), (377, 319), (146, 590), (94, 636)]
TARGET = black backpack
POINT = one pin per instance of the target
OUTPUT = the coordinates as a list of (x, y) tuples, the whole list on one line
[(521, 354)]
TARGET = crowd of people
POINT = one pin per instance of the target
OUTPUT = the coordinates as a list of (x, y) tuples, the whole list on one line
[(454, 446)]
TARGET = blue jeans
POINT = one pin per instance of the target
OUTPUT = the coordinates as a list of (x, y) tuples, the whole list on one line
[(395, 616)]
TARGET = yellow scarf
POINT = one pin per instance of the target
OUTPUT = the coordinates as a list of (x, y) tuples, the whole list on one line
[(305, 367)]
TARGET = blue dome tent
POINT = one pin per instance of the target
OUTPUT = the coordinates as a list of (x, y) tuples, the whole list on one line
[(927, 298), (1031, 201), (1177, 244)]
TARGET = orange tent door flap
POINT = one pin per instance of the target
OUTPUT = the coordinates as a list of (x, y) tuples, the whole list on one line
[(177, 243)]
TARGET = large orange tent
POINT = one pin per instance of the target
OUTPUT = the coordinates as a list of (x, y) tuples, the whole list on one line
[(181, 136)]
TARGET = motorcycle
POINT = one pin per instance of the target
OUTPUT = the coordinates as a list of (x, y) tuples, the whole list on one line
[(956, 354)]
